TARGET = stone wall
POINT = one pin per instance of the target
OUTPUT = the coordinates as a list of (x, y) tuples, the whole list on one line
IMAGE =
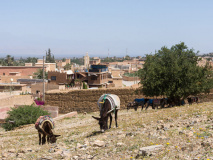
[(86, 100)]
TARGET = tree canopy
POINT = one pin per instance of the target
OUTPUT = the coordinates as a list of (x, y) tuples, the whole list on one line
[(39, 74), (174, 73), (50, 57)]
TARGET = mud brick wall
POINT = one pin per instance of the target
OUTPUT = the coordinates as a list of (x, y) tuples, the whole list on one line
[(206, 98), (86, 100)]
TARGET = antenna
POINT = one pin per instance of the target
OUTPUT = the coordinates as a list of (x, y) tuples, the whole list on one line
[(108, 52), (126, 51)]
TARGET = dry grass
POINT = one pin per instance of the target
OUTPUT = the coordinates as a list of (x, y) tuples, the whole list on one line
[(184, 130)]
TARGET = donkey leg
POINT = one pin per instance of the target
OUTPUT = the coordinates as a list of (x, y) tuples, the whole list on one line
[(48, 139), (116, 112), (147, 106), (110, 120), (142, 105), (39, 135), (43, 139)]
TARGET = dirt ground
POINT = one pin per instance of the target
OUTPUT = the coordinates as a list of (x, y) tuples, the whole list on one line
[(183, 132)]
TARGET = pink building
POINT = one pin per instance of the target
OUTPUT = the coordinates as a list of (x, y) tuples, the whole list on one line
[(16, 72)]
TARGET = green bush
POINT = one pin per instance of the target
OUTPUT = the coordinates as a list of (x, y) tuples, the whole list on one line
[(84, 85), (22, 115)]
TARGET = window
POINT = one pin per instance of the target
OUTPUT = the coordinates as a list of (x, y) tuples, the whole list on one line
[(3, 74), (53, 78), (93, 77)]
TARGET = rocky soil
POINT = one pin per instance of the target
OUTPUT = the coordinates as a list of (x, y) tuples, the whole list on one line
[(184, 132)]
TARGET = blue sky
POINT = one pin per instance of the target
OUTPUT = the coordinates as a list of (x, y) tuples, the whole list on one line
[(70, 28)]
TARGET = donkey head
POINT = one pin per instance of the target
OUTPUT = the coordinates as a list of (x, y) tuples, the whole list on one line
[(53, 138), (102, 123)]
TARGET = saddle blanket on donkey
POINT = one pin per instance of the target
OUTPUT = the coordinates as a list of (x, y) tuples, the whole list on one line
[(113, 99), (40, 121)]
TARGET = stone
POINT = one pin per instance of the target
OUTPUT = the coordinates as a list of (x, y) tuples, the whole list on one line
[(160, 127), (89, 157), (51, 150), (20, 155), (190, 134), (165, 128), (99, 143), (66, 153), (22, 151), (29, 150), (183, 148), (130, 134), (46, 158), (11, 150), (205, 144), (163, 138), (150, 150), (181, 132), (4, 154), (75, 157), (120, 144), (78, 145), (160, 121), (171, 125)]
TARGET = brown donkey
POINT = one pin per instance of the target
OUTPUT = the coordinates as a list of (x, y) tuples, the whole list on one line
[(111, 103), (45, 125)]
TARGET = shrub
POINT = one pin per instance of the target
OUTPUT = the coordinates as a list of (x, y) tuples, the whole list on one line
[(22, 115), (84, 85)]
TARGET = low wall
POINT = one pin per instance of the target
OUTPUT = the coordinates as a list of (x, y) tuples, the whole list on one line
[(125, 78), (86, 100)]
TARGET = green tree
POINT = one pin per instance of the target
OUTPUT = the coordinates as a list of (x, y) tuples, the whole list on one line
[(84, 85), (31, 60), (67, 67), (9, 61), (23, 115), (2, 62), (64, 59), (174, 73), (79, 61), (50, 57), (39, 74), (127, 57)]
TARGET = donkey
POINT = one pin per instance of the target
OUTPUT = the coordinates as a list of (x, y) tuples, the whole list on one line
[(132, 105), (44, 127), (105, 112)]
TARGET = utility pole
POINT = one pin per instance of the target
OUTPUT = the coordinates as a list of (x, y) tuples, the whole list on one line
[(43, 81)]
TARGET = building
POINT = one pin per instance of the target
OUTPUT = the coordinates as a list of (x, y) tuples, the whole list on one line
[(61, 64), (48, 66), (98, 76), (10, 74), (95, 61), (116, 77), (86, 61), (60, 78)]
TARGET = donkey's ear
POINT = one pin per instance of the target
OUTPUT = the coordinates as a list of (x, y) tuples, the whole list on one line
[(96, 118), (57, 135)]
